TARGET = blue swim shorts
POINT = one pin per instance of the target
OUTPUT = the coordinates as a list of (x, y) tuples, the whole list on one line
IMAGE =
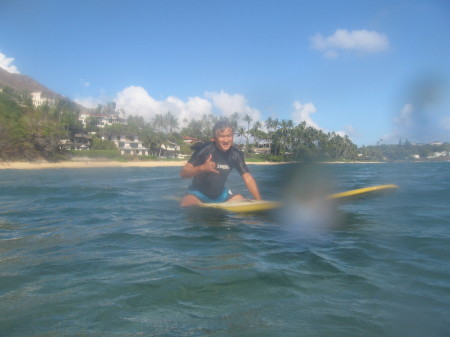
[(224, 196)]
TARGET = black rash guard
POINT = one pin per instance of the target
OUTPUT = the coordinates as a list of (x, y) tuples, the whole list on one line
[(212, 184)]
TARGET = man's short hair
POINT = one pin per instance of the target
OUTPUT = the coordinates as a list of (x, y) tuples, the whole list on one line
[(221, 125)]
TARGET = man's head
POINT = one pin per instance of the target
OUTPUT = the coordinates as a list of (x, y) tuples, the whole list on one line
[(223, 135)]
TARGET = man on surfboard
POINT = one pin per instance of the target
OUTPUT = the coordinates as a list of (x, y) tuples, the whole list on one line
[(209, 167)]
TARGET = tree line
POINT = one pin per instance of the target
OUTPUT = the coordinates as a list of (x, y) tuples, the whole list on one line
[(32, 133), (406, 151)]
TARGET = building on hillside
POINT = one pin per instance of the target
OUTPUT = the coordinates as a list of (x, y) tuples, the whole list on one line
[(129, 145), (441, 154), (102, 120), (169, 150), (80, 141), (65, 144), (261, 148), (38, 99)]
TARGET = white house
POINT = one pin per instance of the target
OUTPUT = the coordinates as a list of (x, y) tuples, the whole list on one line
[(169, 150), (39, 100), (438, 154), (129, 144), (102, 120)]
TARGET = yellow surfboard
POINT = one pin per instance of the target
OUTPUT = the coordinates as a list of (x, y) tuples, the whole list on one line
[(365, 192), (249, 206), (244, 206)]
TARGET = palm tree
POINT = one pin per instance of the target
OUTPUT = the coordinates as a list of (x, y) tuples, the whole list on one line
[(247, 118), (289, 127), (269, 123), (284, 127), (255, 131), (193, 129), (235, 117), (170, 122), (208, 121), (158, 122), (240, 132), (272, 126)]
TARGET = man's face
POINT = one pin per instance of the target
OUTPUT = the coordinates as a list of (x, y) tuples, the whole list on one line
[(224, 139)]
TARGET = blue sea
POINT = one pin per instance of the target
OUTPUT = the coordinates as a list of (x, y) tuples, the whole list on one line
[(108, 252)]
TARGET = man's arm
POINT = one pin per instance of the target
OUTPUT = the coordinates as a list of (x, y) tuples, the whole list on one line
[(251, 185), (189, 170)]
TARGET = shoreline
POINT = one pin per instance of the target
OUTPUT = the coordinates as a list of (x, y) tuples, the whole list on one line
[(19, 165)]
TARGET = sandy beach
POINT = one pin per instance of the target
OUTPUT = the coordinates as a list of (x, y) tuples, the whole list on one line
[(97, 163)]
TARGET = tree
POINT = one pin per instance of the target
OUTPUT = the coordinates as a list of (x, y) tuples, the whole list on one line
[(171, 122), (248, 119), (255, 132), (158, 122), (91, 124), (240, 132), (235, 117), (13, 133), (134, 124), (286, 128), (193, 129), (269, 126), (100, 144), (44, 135)]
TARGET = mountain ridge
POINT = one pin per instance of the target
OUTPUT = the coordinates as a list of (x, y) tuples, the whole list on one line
[(25, 84)]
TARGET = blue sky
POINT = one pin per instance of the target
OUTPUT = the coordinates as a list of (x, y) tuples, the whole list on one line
[(369, 69)]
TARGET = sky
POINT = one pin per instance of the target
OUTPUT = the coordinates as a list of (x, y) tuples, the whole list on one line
[(376, 71)]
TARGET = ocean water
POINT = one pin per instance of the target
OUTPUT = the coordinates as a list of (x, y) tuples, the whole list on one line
[(108, 252)]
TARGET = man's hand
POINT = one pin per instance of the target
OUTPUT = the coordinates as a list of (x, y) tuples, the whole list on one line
[(209, 165), (189, 171)]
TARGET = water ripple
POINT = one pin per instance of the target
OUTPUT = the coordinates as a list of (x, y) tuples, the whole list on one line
[(109, 252)]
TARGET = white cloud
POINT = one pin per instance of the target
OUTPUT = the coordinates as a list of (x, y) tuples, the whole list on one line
[(135, 100), (194, 108), (228, 104), (6, 64), (197, 107), (356, 40), (303, 112)]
